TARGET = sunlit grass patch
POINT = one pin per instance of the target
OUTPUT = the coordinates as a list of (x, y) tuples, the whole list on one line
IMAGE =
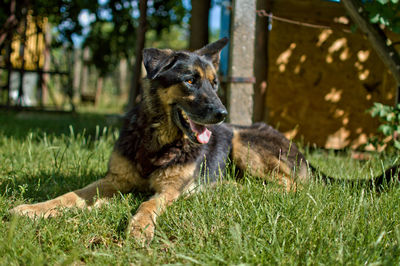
[(251, 221)]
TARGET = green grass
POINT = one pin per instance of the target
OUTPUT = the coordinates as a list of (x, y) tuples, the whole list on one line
[(251, 222)]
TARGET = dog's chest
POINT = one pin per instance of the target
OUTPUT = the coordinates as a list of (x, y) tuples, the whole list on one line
[(178, 153)]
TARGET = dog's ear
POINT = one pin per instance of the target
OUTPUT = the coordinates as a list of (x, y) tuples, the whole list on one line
[(211, 51), (156, 60)]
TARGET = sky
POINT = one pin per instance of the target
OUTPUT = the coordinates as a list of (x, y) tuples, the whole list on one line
[(215, 13), (215, 17)]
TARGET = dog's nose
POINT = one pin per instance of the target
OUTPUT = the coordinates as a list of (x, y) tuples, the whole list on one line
[(221, 114)]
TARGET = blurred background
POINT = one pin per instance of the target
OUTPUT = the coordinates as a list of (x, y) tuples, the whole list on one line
[(314, 76)]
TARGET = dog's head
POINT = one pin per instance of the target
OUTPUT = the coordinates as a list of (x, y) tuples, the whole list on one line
[(186, 84)]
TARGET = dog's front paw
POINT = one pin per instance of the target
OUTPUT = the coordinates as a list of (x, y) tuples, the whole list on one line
[(34, 211), (141, 229)]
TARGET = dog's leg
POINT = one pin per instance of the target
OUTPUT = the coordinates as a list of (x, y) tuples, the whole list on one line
[(168, 184), (121, 176), (266, 153), (142, 224)]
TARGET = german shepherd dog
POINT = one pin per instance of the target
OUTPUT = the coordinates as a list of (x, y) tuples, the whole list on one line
[(175, 135)]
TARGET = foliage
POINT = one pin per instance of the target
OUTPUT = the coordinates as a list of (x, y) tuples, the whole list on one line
[(385, 12), (250, 223), (112, 32), (109, 27), (390, 119), (175, 37)]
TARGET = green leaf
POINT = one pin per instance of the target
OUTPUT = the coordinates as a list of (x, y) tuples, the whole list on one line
[(384, 21), (389, 117), (394, 1), (386, 130), (397, 144), (382, 1), (383, 112), (375, 18)]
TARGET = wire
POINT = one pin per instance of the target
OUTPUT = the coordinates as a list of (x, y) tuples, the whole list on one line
[(263, 13)]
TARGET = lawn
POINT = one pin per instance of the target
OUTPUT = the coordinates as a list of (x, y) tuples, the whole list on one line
[(251, 222)]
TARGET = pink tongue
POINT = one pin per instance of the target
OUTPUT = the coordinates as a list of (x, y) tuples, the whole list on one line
[(203, 134), (204, 137)]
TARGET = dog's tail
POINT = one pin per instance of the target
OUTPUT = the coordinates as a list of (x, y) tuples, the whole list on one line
[(379, 182)]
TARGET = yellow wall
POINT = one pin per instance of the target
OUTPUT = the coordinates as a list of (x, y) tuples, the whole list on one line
[(321, 81), (35, 45)]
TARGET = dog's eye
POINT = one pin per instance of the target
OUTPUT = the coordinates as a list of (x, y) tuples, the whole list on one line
[(190, 81)]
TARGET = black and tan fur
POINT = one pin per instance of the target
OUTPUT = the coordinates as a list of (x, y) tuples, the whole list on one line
[(158, 151)]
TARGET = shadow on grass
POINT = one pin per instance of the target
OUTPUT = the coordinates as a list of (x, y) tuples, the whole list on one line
[(49, 185), (20, 124), (45, 185)]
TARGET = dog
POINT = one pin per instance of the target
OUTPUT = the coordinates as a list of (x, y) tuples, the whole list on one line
[(176, 135)]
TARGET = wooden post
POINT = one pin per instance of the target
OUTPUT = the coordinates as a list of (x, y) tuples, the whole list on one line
[(261, 60), (241, 76)]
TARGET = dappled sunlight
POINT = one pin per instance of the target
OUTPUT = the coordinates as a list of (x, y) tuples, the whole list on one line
[(358, 66), (363, 55), (361, 139), (283, 58), (338, 113), (342, 20), (324, 80), (329, 59), (291, 134), (345, 54), (339, 44), (334, 95), (323, 36), (363, 75), (297, 69), (338, 139)]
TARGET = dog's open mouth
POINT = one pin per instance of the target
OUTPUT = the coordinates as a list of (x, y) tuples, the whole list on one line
[(197, 133)]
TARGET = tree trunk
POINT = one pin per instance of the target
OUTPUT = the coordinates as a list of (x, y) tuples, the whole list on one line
[(77, 69), (20, 99), (10, 26), (46, 65), (85, 71), (99, 89), (261, 62), (9, 67), (377, 38), (134, 90), (199, 24), (122, 77)]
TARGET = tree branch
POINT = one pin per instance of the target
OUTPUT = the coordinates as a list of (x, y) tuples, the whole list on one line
[(378, 40)]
